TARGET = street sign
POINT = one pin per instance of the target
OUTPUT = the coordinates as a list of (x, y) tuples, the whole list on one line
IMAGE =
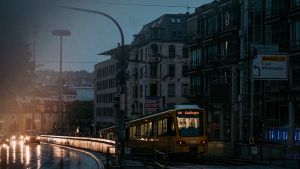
[(270, 67)]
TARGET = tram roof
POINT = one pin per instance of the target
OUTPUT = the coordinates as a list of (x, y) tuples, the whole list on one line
[(187, 107)]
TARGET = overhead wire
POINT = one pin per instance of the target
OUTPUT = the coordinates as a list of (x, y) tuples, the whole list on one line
[(130, 4)]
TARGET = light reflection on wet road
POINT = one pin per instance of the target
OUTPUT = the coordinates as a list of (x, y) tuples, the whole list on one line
[(43, 156)]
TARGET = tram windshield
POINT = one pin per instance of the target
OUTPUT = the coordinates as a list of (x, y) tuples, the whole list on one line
[(189, 124)]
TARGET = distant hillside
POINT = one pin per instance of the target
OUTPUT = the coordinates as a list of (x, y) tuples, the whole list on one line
[(71, 78)]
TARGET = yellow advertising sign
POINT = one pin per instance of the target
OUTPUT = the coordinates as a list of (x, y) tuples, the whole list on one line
[(277, 58)]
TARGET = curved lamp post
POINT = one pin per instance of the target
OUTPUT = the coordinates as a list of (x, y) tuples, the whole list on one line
[(120, 143)]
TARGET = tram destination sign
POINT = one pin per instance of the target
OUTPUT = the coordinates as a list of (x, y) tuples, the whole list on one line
[(188, 112), (270, 67)]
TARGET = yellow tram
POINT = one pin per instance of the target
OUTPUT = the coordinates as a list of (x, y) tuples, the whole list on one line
[(176, 131)]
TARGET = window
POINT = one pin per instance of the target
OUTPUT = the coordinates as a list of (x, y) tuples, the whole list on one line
[(142, 130), (172, 52), (153, 70), (141, 108), (227, 19), (98, 112), (197, 59), (185, 68), (190, 124), (141, 55), (132, 132), (171, 90), (185, 90), (185, 52), (148, 129), (162, 127), (211, 25), (171, 70), (159, 127), (141, 91), (154, 50), (153, 90), (295, 34), (141, 73), (135, 92)]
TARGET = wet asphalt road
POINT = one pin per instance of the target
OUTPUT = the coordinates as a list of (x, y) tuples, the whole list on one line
[(16, 155)]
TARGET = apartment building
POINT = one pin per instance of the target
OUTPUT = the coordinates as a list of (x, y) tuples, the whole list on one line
[(157, 66)]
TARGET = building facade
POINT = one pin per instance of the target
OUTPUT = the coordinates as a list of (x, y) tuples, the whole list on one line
[(104, 92), (280, 109), (157, 65), (107, 86), (224, 40), (213, 45)]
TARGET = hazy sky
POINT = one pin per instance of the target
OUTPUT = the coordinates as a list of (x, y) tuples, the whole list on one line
[(91, 33)]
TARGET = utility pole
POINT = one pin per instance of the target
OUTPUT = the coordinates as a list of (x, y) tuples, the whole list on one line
[(243, 64)]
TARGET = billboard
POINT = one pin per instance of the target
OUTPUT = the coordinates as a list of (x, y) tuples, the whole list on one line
[(270, 67), (152, 104)]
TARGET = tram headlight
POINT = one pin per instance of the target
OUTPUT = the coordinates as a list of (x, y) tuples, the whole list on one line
[(180, 142)]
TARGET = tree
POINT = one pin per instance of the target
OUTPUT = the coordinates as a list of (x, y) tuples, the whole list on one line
[(16, 66), (80, 115)]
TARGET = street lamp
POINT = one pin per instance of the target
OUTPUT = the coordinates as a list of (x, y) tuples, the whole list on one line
[(61, 33), (120, 143)]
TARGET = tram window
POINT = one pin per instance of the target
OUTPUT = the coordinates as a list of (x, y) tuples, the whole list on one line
[(155, 128), (159, 127), (143, 130), (138, 131), (165, 127), (148, 129), (133, 132)]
